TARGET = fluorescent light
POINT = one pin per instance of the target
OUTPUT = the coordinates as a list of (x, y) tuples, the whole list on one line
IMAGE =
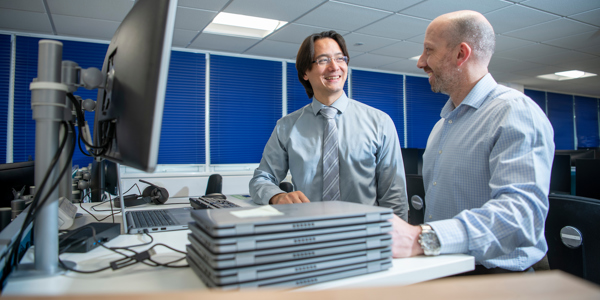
[(241, 25), (572, 74), (566, 75), (415, 57)]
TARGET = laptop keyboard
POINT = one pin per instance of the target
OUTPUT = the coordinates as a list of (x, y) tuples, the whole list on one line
[(206, 203), (152, 218)]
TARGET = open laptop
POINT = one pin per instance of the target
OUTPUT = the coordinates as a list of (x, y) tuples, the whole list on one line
[(157, 220), (288, 218)]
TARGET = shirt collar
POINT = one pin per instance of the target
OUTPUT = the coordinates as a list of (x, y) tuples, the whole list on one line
[(340, 104), (476, 96)]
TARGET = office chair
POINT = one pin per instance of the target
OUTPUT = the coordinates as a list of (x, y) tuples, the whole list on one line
[(573, 236), (416, 199)]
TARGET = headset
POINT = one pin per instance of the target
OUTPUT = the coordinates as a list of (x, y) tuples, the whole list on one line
[(151, 194)]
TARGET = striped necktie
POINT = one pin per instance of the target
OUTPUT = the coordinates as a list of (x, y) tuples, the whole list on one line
[(331, 166)]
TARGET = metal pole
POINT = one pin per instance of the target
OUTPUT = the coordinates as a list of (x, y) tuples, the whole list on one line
[(69, 77), (47, 102)]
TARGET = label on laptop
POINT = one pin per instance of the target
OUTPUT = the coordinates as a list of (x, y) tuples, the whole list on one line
[(263, 211)]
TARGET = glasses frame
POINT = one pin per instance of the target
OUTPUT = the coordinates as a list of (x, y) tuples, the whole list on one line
[(327, 60)]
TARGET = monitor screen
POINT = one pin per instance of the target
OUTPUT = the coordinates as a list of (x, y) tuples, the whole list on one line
[(560, 177), (412, 158), (15, 176), (129, 109)]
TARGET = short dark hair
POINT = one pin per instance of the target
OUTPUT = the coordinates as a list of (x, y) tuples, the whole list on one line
[(304, 59)]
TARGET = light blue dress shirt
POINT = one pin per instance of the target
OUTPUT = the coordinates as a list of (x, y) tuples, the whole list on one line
[(486, 171), (371, 166)]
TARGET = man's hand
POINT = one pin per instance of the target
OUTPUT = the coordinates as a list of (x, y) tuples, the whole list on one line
[(288, 198), (405, 238)]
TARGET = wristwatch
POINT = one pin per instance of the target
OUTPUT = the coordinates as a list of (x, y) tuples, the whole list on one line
[(429, 240)]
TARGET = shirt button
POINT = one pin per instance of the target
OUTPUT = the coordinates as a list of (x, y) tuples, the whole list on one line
[(430, 216), (450, 121), (440, 151), (435, 182)]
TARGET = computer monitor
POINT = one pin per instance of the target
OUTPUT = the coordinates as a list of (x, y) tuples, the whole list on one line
[(15, 176), (587, 175), (560, 177), (129, 109), (578, 154), (411, 158)]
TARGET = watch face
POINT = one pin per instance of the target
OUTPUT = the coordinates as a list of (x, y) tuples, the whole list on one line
[(429, 241)]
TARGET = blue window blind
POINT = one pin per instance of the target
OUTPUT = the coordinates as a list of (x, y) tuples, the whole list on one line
[(539, 97), (382, 91), (296, 94), (586, 112), (85, 54), (182, 133), (24, 127), (560, 113), (4, 86), (423, 109), (245, 104)]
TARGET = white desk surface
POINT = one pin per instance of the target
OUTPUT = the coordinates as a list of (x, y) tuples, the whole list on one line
[(141, 278)]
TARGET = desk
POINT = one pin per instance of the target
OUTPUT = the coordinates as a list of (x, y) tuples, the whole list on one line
[(144, 279)]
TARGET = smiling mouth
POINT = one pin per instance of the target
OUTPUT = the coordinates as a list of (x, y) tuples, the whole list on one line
[(333, 77)]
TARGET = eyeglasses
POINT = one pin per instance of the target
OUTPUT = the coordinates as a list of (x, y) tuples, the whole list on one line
[(326, 60)]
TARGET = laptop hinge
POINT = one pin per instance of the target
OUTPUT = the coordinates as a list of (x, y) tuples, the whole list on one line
[(246, 275), (246, 245), (374, 217)]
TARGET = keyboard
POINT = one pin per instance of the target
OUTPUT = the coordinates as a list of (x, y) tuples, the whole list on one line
[(151, 218), (209, 203)]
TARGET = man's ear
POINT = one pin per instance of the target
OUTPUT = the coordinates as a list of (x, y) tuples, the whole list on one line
[(464, 53)]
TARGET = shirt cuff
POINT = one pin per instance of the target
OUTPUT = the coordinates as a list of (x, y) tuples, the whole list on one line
[(267, 194), (452, 235)]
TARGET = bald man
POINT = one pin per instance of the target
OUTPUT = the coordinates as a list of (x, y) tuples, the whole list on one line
[(486, 167)]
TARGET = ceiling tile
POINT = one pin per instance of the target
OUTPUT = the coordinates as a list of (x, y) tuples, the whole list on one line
[(531, 51), (274, 49), (85, 27), (418, 38), (542, 70), (296, 33), (563, 8), (398, 27), (371, 61), (207, 41), (340, 16), (26, 5), (182, 37), (193, 19), (25, 21), (112, 10), (389, 5), (578, 41), (369, 42), (214, 5), (594, 50), (519, 16), (591, 17), (500, 64), (405, 66), (564, 57), (504, 43), (283, 10), (433, 8), (551, 30), (401, 49), (506, 77)]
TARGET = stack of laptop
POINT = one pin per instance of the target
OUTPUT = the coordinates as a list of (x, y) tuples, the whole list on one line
[(288, 245)]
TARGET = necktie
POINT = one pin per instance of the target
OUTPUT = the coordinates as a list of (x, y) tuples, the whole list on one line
[(331, 166)]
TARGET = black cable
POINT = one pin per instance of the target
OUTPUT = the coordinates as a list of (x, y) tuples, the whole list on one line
[(13, 253)]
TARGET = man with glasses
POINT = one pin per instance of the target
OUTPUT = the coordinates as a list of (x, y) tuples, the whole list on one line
[(336, 148)]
